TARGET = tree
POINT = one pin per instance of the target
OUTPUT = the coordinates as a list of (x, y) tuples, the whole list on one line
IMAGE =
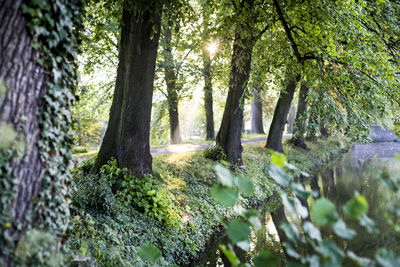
[(208, 90), (256, 114), (37, 79), (245, 36), (300, 121), (173, 86), (128, 130)]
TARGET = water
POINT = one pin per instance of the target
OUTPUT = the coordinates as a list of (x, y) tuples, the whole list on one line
[(355, 171)]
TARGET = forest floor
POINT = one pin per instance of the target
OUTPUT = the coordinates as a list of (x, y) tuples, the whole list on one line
[(109, 228)]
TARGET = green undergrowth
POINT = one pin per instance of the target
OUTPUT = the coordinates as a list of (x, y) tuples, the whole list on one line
[(114, 213)]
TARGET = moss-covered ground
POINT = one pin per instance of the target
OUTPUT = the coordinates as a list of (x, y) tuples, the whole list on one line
[(108, 229)]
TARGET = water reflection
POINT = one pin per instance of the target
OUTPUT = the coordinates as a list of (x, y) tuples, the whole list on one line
[(353, 174), (355, 171)]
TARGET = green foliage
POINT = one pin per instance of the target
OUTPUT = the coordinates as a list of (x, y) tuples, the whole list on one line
[(78, 150), (215, 153), (150, 198), (149, 253), (38, 248), (113, 235)]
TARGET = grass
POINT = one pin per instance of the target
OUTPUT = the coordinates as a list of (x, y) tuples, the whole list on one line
[(110, 231)]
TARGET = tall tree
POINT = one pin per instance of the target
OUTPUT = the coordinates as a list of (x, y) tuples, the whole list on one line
[(246, 35), (173, 86), (301, 118), (37, 78), (208, 96), (277, 127), (128, 130), (256, 114)]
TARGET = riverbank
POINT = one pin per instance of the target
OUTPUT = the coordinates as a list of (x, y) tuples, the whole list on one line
[(107, 229)]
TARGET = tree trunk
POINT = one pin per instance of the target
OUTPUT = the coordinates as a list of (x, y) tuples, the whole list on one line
[(277, 127), (300, 122), (278, 216), (208, 96), (23, 84), (172, 87), (231, 126), (312, 124), (128, 130), (323, 128), (256, 114), (291, 118)]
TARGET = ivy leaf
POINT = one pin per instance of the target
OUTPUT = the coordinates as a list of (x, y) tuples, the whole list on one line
[(230, 255), (341, 230), (224, 175), (368, 224), (359, 260), (328, 249), (149, 253), (264, 258), (245, 186), (224, 195), (324, 212), (356, 207), (312, 231), (238, 231), (387, 258), (278, 175), (278, 159)]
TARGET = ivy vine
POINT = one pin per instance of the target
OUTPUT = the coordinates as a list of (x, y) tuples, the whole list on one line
[(55, 26)]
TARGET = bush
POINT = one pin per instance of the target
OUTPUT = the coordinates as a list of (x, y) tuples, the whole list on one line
[(215, 153), (38, 248), (79, 149), (149, 197)]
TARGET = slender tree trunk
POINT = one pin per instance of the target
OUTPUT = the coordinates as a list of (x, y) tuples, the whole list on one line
[(23, 84), (256, 114), (278, 216), (323, 127), (277, 127), (231, 126), (128, 130), (312, 124), (208, 96), (172, 87), (291, 118), (300, 122)]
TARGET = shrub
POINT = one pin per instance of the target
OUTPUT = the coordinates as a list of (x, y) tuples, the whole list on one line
[(38, 248), (215, 153), (150, 198)]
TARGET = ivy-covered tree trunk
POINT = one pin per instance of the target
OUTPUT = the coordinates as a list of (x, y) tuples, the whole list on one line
[(277, 127), (23, 84), (300, 122), (231, 126), (172, 87), (256, 114), (35, 98), (128, 130), (312, 126), (208, 96)]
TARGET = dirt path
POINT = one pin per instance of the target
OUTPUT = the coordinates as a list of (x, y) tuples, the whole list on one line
[(190, 147)]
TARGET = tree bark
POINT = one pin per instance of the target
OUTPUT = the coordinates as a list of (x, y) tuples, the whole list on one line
[(256, 114), (25, 84), (229, 133), (300, 122), (172, 87), (208, 96), (128, 130), (278, 216), (323, 127), (277, 127)]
